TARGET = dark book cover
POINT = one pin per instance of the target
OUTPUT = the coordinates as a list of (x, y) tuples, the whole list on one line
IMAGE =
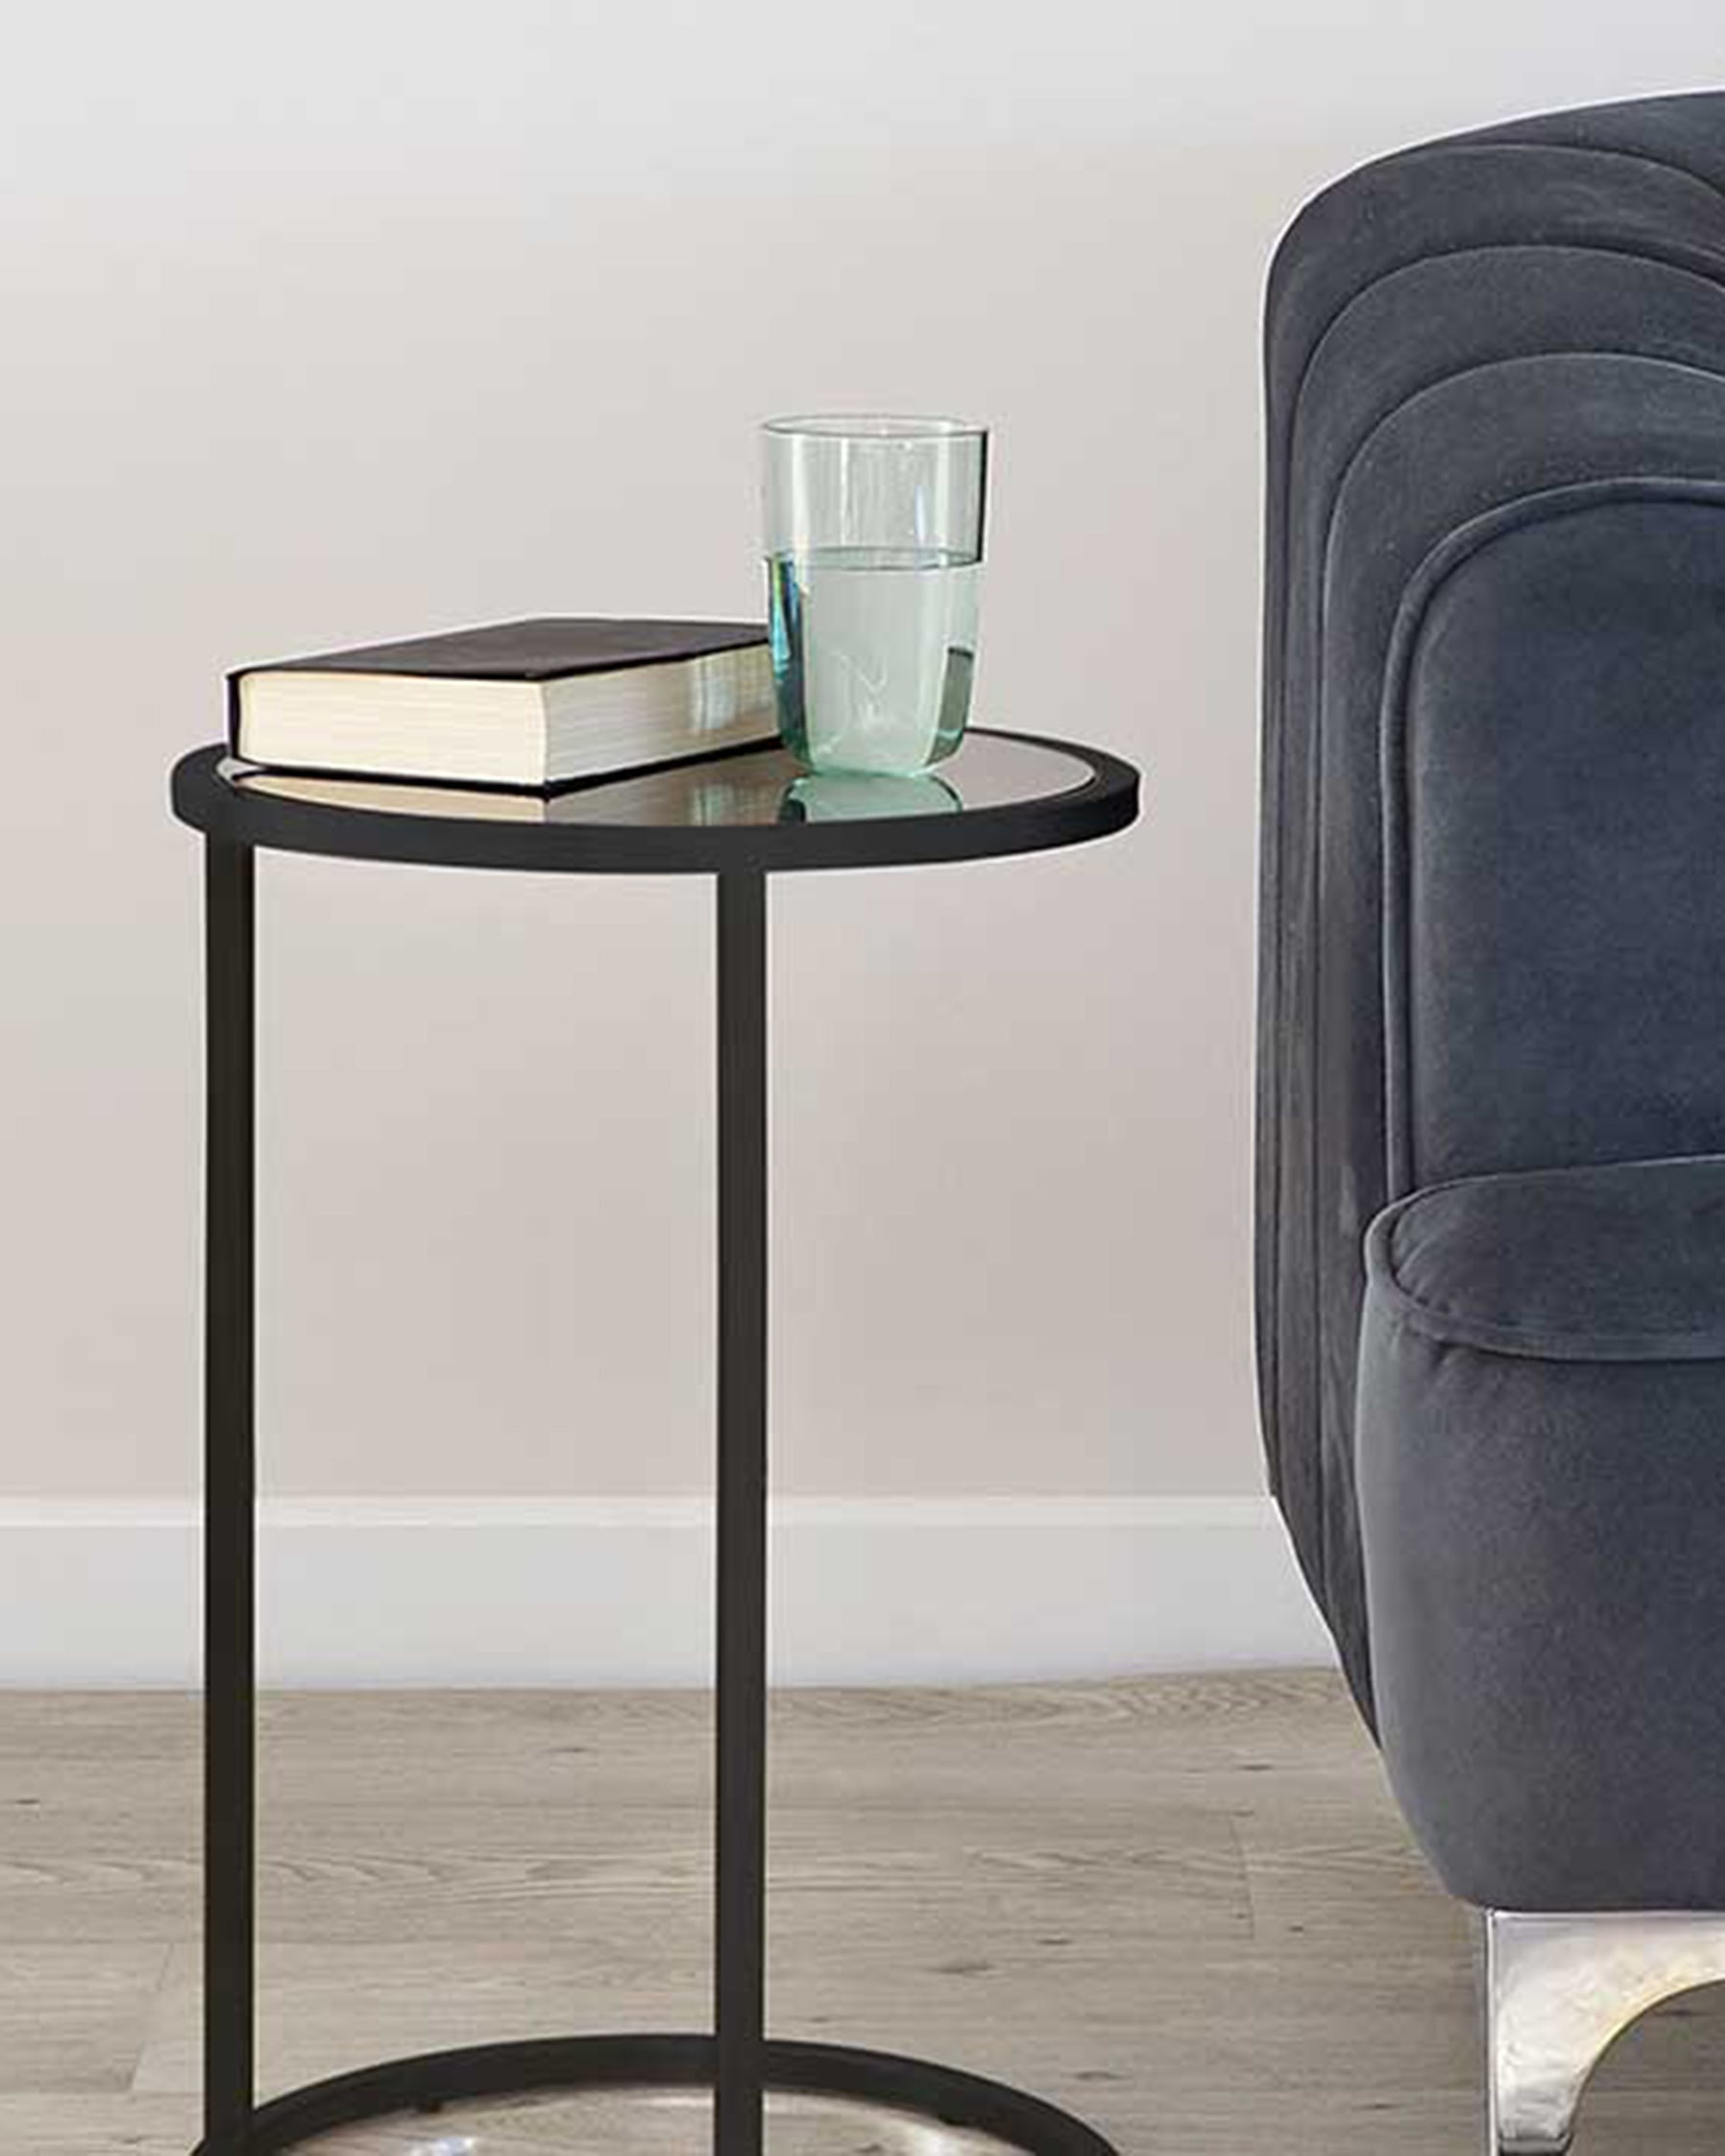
[(547, 648)]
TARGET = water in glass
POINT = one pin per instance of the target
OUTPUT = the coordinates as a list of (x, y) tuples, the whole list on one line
[(873, 652)]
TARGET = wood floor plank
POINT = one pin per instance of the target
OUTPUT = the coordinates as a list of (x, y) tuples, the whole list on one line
[(337, 1874), (65, 2124), (72, 2019), (1328, 1859), (528, 1747)]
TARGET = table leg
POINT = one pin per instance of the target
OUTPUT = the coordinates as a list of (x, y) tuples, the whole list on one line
[(740, 1970), (229, 1487)]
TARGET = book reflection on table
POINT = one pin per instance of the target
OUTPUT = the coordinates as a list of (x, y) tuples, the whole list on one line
[(761, 787)]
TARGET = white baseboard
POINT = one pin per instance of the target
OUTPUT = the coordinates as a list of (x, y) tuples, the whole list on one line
[(487, 1591)]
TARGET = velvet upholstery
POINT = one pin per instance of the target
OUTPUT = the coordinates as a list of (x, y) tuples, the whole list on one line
[(1491, 1114), (1542, 1485), (1494, 643)]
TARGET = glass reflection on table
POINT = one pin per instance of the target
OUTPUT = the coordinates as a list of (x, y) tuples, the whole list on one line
[(862, 797)]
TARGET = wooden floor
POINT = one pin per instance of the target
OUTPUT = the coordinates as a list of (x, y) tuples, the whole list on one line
[(1183, 1906)]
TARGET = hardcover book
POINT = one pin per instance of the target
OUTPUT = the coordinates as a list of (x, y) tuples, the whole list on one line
[(531, 704)]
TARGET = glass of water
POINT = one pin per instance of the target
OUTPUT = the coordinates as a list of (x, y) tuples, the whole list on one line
[(874, 557)]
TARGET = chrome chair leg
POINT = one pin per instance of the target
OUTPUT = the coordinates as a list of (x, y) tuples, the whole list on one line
[(1559, 1989)]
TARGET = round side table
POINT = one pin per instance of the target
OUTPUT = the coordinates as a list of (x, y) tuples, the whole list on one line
[(738, 817)]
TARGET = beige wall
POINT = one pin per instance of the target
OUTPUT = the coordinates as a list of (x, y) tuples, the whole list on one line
[(325, 323)]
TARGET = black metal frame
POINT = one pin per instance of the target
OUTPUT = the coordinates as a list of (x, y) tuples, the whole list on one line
[(230, 1488), (739, 2062), (1105, 802)]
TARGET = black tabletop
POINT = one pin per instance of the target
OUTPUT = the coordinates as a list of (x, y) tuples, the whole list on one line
[(752, 809)]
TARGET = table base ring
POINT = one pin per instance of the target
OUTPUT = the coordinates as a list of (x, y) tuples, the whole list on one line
[(434, 2079)]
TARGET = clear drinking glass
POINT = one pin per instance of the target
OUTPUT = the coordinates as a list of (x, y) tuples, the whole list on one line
[(874, 559)]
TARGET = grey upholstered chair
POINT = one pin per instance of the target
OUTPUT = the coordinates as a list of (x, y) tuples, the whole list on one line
[(1491, 1199)]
